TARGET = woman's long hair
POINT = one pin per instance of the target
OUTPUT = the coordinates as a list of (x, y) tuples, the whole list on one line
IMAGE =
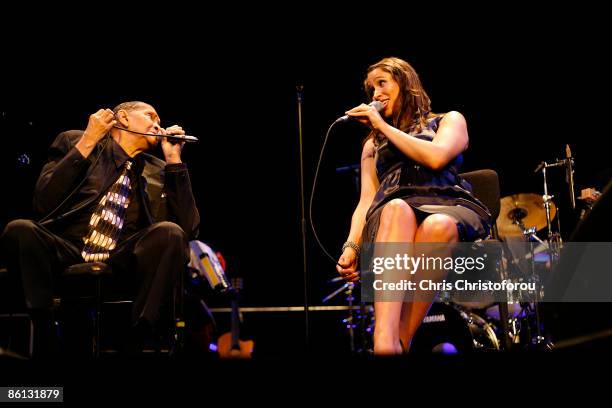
[(411, 111)]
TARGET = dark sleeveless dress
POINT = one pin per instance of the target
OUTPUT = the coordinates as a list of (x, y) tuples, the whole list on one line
[(426, 191)]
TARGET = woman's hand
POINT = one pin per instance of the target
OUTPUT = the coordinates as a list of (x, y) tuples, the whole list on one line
[(347, 265), (368, 115)]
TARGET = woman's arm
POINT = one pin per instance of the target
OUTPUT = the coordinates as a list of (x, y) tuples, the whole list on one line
[(347, 264), (451, 138), (369, 186)]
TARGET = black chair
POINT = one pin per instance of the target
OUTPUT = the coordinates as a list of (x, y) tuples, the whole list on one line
[(86, 282), (485, 187), (16, 327)]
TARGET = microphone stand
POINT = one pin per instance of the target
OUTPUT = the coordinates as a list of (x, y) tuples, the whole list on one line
[(300, 96)]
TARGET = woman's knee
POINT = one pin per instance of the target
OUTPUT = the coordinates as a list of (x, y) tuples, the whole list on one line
[(438, 228), (397, 210)]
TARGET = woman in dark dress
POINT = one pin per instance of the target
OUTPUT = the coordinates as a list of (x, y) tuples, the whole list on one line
[(410, 188)]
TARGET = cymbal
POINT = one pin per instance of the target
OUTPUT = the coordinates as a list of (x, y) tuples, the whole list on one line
[(527, 208)]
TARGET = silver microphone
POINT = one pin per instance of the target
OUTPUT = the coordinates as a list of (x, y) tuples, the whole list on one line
[(376, 104), (184, 138)]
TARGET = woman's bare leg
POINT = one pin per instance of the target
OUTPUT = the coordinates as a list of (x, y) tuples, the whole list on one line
[(434, 228), (397, 224)]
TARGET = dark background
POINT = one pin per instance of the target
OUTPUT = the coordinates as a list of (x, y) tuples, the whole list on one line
[(526, 86)]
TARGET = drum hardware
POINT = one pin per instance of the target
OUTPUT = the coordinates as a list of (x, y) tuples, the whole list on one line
[(359, 321), (546, 197), (526, 329), (555, 242), (349, 323), (568, 163), (519, 210), (349, 286), (523, 215)]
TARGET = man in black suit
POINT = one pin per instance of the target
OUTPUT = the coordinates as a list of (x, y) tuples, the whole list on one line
[(152, 247)]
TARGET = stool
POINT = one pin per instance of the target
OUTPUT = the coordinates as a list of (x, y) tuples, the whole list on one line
[(93, 274)]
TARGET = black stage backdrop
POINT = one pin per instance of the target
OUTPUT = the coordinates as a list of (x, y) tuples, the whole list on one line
[(526, 91)]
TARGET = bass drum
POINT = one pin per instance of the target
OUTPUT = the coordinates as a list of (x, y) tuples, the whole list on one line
[(450, 329)]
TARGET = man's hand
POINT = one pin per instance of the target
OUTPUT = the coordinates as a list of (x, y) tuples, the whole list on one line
[(589, 195), (99, 125), (172, 150)]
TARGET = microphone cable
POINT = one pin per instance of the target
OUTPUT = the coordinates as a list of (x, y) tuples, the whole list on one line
[(314, 184), (379, 106)]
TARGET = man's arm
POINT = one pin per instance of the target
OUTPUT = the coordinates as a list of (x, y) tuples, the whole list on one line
[(181, 203), (68, 161), (64, 168)]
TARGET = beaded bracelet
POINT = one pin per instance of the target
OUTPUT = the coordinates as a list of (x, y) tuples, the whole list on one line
[(353, 245)]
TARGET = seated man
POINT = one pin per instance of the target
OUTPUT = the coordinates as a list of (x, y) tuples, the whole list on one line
[(104, 199)]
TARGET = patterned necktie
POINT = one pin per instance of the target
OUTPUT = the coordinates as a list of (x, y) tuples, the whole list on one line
[(107, 219)]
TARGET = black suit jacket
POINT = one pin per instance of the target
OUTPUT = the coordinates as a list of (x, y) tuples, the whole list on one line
[(70, 182)]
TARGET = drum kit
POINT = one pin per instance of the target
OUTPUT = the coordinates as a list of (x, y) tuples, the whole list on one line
[(457, 327), (521, 217)]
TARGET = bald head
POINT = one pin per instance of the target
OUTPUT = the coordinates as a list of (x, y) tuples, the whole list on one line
[(139, 117), (128, 106)]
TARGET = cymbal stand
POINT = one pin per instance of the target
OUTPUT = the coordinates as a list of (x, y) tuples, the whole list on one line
[(349, 321), (530, 235), (547, 198), (554, 240)]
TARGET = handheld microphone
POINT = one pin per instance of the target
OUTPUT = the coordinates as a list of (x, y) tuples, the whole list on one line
[(569, 161), (184, 138), (376, 104)]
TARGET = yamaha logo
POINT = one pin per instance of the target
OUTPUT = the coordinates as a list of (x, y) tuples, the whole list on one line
[(434, 319)]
